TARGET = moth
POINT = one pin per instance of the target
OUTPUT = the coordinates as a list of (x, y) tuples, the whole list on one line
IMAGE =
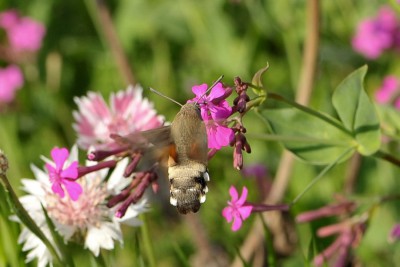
[(186, 141)]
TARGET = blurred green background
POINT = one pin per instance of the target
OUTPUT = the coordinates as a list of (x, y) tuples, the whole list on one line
[(172, 45)]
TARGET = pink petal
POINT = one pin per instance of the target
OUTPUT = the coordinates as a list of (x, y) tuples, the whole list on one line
[(227, 212), (223, 135), (8, 18), (243, 197), (234, 194), (217, 91), (57, 189), (74, 189), (245, 211), (71, 171), (397, 103), (237, 223), (199, 90), (59, 156), (221, 111)]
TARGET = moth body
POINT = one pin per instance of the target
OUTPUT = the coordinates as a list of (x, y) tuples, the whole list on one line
[(187, 163)]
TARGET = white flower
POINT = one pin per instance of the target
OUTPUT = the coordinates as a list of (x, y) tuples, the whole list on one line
[(88, 217)]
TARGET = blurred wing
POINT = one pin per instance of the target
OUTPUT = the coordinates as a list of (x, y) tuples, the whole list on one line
[(159, 137)]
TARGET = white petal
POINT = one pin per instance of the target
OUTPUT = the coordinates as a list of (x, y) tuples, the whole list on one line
[(117, 181)]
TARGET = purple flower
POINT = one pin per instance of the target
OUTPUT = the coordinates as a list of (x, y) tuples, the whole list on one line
[(63, 177), (23, 33), (214, 110), (349, 231), (11, 80), (374, 35), (395, 233), (388, 89), (237, 209)]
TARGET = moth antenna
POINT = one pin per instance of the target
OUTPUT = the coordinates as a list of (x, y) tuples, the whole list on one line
[(167, 97), (211, 87)]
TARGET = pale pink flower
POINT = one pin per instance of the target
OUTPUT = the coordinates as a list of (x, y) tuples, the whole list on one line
[(375, 35), (237, 209), (63, 176), (214, 110), (11, 80), (128, 112), (24, 33)]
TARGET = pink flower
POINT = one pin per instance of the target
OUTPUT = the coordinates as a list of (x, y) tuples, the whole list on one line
[(63, 177), (23, 33), (374, 35), (389, 87), (214, 110), (128, 112), (395, 233), (11, 80), (237, 210)]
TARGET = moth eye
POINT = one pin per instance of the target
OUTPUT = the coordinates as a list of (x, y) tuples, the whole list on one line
[(206, 176), (173, 201), (203, 198)]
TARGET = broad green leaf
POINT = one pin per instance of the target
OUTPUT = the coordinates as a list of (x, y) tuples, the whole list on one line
[(260, 91), (313, 139), (390, 120), (357, 112)]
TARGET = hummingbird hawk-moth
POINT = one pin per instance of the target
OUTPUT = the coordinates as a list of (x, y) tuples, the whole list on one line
[(186, 141)]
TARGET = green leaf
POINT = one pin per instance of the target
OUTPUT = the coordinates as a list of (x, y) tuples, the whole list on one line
[(258, 87), (390, 120), (309, 137), (357, 112)]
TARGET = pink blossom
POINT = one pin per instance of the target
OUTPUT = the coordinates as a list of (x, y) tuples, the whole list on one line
[(128, 112), (237, 210), (63, 177), (374, 35), (388, 89), (214, 110), (395, 233), (11, 80), (24, 33)]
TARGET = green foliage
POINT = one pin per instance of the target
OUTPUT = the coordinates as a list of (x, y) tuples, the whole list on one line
[(357, 113), (310, 138)]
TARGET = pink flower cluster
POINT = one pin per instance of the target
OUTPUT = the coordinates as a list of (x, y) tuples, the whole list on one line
[(24, 33), (11, 80), (389, 92), (377, 34), (214, 110)]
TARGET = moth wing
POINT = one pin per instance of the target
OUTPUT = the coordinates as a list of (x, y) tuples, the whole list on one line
[(158, 137)]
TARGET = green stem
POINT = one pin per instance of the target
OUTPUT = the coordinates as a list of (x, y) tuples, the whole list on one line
[(320, 175), (287, 138), (388, 157), (99, 260), (148, 247), (310, 111), (26, 219)]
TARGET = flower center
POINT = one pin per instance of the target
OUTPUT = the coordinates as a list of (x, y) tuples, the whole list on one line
[(88, 210)]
